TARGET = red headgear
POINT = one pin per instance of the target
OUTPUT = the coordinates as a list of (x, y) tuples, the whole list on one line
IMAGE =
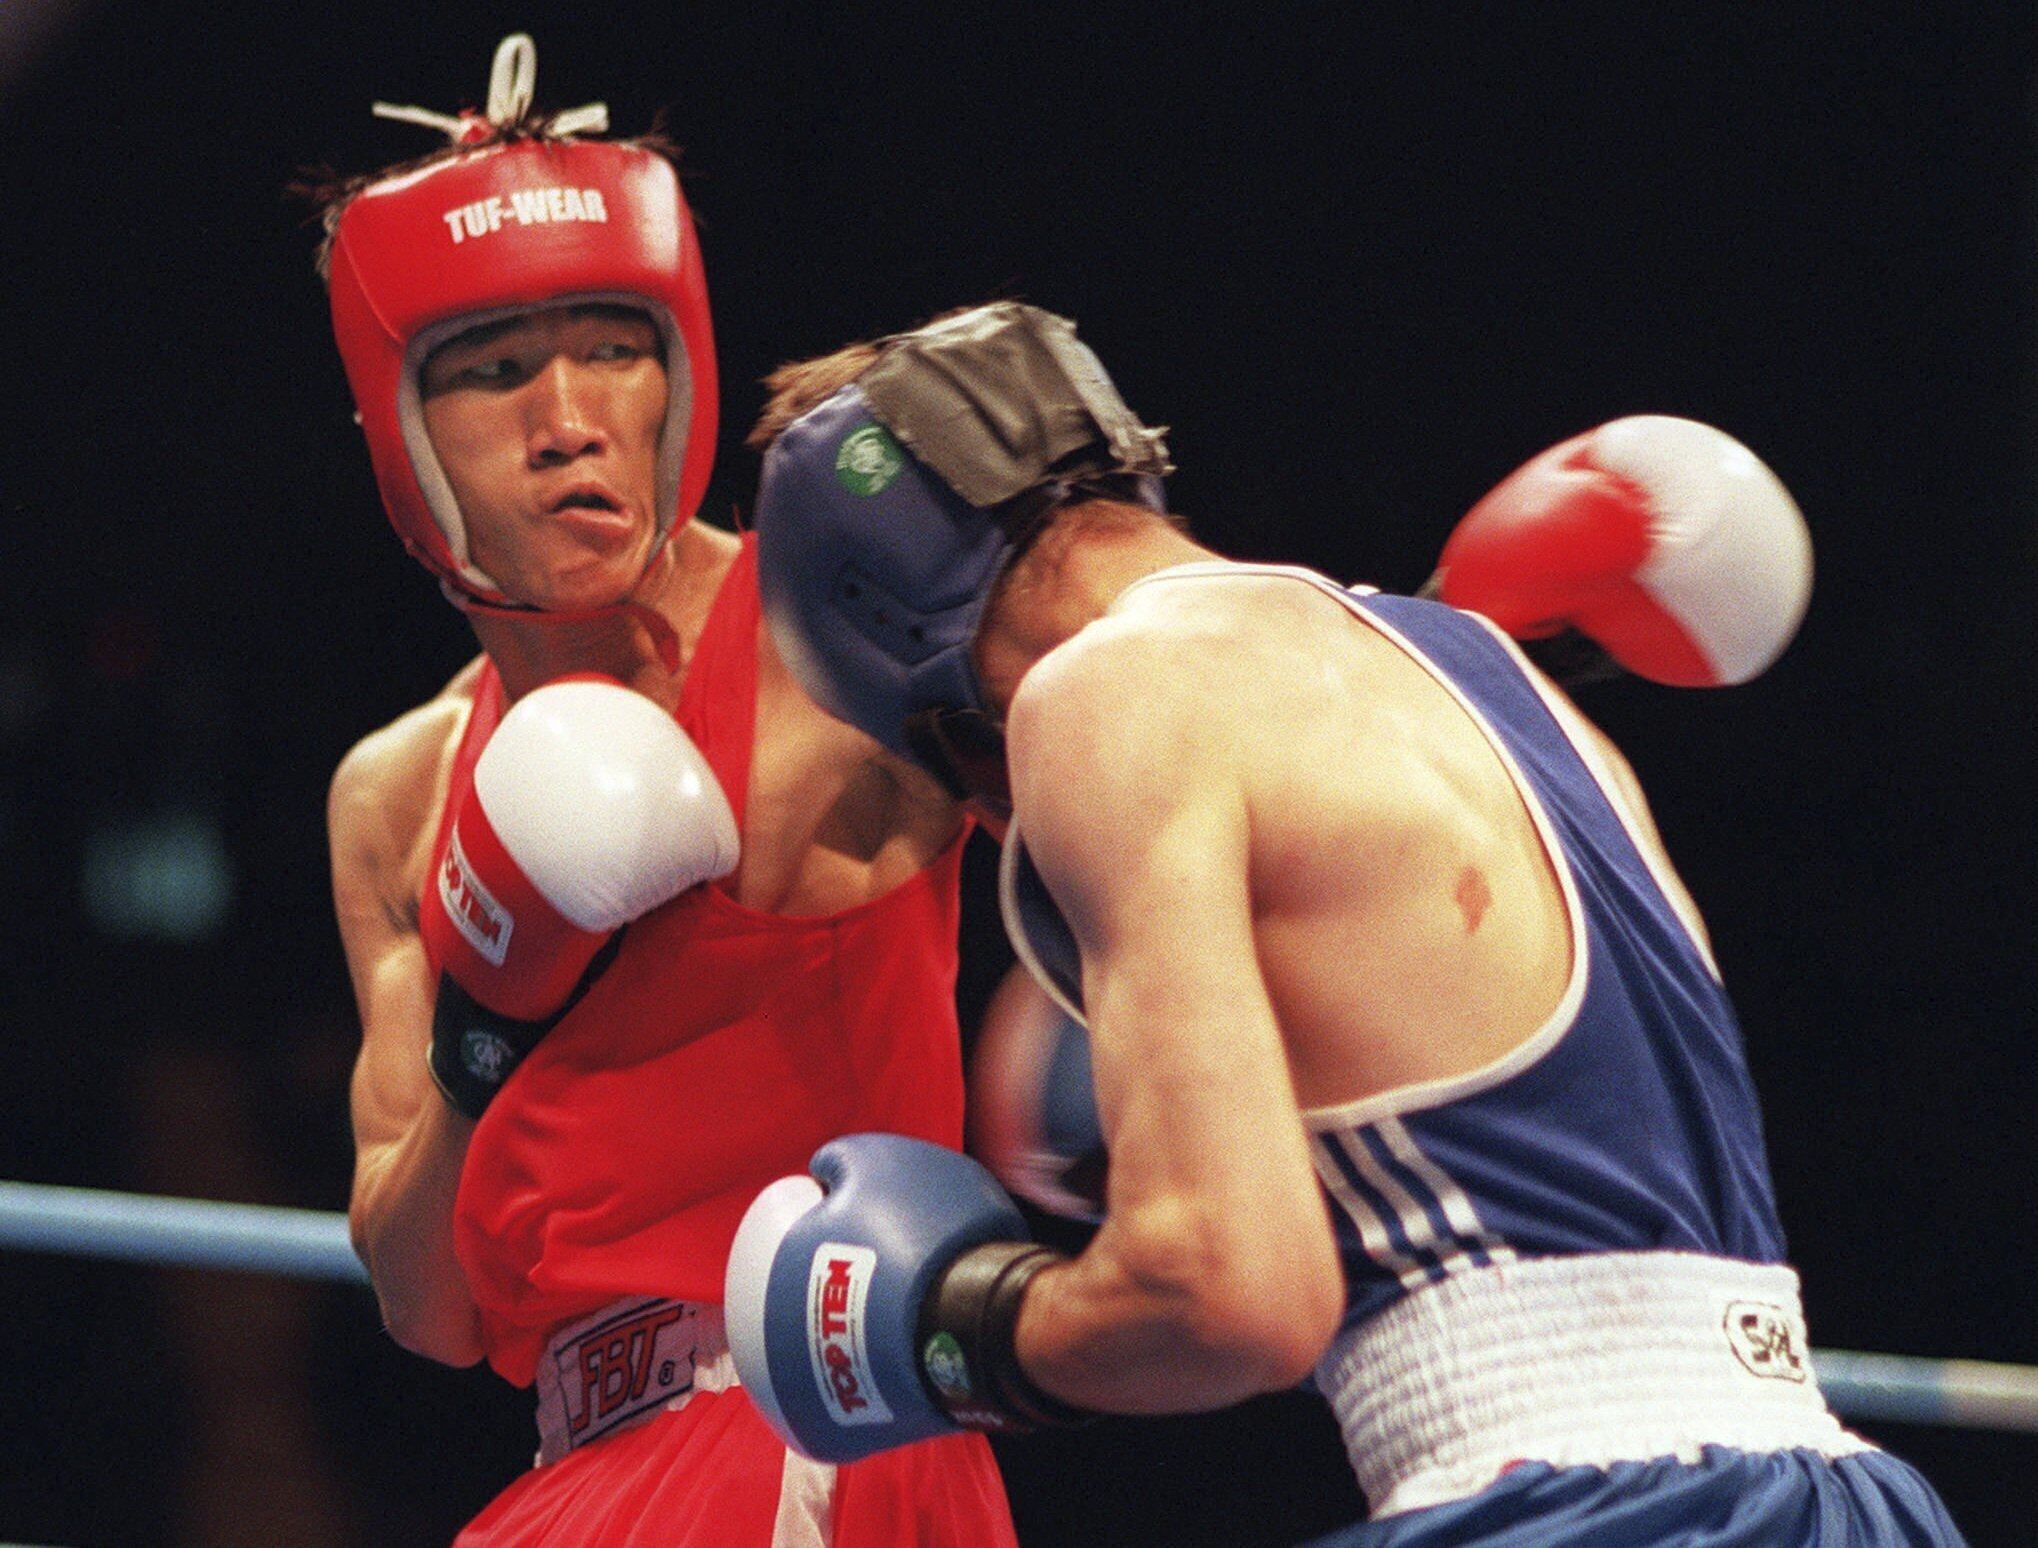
[(505, 229)]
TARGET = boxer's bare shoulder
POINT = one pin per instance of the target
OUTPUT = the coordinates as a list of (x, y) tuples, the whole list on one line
[(1131, 695), (384, 799), (1260, 676)]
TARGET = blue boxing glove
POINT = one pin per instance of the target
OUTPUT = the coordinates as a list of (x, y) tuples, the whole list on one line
[(873, 1303), (1033, 1106)]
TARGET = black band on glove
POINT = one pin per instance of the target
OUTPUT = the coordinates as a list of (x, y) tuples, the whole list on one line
[(474, 1048), (1571, 660), (967, 1355)]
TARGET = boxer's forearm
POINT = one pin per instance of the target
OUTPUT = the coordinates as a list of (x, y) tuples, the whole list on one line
[(1160, 1328), (402, 1218)]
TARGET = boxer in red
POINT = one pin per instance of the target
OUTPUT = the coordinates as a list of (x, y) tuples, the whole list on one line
[(633, 926)]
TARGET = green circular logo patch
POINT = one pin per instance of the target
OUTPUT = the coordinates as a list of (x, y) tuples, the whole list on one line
[(868, 460), (943, 1360)]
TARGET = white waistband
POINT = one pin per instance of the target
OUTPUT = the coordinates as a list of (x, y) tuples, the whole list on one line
[(1587, 1360), (625, 1363)]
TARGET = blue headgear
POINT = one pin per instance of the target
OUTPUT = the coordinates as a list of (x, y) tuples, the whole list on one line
[(887, 513)]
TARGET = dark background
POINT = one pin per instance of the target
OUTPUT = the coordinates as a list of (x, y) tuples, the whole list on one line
[(1362, 259)]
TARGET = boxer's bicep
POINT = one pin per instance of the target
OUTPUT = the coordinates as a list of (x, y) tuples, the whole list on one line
[(1192, 1080), (392, 1082), (1134, 811), (1144, 843), (386, 959)]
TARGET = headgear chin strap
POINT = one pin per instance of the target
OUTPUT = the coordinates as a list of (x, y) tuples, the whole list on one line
[(524, 224), (886, 514)]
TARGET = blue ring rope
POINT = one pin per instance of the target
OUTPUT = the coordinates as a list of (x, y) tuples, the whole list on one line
[(1908, 1389), (192, 1233), (313, 1244)]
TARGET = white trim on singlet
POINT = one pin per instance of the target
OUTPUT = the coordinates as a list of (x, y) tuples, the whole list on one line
[(1015, 925), (1224, 569), (1411, 1271), (1456, 1204), (1463, 1242), (1578, 734), (1417, 1229), (1417, 1224)]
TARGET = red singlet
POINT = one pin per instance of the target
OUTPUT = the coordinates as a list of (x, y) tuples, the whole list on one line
[(717, 1052)]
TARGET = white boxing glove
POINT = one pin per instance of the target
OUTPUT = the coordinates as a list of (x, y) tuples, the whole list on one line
[(589, 808)]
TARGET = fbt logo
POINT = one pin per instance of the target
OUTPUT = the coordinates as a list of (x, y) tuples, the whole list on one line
[(525, 207), (838, 1285), (485, 923), (616, 1364)]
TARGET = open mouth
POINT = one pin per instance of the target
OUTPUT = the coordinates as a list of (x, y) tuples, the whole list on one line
[(590, 515), (587, 499)]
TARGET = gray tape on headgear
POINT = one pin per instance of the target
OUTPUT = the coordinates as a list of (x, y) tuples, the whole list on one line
[(1004, 399), (875, 562)]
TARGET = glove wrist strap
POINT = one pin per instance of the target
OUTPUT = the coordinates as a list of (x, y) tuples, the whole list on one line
[(967, 1353), (1572, 660), (474, 1048)]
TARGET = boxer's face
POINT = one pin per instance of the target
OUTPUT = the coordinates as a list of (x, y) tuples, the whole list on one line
[(547, 428)]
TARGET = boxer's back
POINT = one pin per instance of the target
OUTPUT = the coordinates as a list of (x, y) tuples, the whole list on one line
[(1466, 928), (1409, 923)]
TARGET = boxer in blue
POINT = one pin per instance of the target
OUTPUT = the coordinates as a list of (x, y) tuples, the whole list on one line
[(1411, 1061)]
